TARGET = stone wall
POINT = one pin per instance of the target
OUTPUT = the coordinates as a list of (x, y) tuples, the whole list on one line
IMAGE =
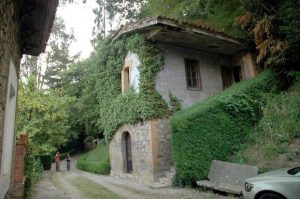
[(164, 152), (9, 52), (151, 150)]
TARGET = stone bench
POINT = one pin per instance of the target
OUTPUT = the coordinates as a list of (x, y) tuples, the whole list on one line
[(228, 177)]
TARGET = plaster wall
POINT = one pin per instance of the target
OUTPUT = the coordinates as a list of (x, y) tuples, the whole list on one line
[(9, 56), (151, 150), (172, 78), (132, 61)]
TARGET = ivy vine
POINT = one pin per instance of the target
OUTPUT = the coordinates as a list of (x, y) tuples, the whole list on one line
[(115, 108)]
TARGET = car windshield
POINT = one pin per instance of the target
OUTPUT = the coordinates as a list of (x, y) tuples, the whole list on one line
[(294, 171)]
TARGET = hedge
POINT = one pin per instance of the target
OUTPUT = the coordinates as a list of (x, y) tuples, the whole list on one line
[(217, 127), (46, 161)]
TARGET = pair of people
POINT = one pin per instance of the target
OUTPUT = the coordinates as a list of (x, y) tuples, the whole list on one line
[(57, 160)]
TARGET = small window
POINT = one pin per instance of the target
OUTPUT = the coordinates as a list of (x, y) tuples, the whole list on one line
[(125, 79), (192, 71)]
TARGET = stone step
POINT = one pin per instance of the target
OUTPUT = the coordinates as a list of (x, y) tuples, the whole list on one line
[(158, 185), (172, 169), (169, 174), (165, 180)]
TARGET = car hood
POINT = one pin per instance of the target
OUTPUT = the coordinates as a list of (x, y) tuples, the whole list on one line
[(270, 175)]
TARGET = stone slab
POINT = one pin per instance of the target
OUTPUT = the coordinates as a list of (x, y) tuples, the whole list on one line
[(233, 189), (227, 172), (228, 177)]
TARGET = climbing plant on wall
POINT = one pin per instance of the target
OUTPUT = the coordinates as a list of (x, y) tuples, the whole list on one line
[(116, 108)]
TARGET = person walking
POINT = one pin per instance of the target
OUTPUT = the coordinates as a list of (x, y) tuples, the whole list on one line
[(57, 159), (68, 163)]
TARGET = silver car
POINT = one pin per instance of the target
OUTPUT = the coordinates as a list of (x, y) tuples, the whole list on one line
[(277, 184)]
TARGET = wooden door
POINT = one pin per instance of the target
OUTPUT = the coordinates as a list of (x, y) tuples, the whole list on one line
[(227, 79), (128, 153)]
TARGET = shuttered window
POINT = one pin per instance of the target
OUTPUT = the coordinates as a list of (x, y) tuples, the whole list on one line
[(193, 77)]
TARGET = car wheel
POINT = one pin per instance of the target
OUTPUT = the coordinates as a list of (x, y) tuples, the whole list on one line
[(270, 196)]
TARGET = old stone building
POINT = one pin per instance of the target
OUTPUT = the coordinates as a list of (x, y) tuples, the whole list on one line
[(199, 62), (24, 29)]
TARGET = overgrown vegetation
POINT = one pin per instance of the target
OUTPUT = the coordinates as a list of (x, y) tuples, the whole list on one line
[(217, 128), (277, 129), (33, 171), (96, 161), (116, 108)]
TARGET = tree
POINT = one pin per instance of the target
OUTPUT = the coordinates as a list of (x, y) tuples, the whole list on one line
[(43, 117), (58, 56), (274, 26), (79, 81)]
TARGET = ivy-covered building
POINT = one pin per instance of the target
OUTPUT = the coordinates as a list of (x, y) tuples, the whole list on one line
[(24, 29), (177, 65)]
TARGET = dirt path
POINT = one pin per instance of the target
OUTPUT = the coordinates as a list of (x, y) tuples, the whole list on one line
[(60, 185)]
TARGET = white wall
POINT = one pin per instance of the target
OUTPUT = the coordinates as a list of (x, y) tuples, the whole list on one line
[(132, 60), (9, 131), (173, 78)]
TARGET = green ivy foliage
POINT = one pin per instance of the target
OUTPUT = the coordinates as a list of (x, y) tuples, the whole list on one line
[(33, 170), (216, 128), (116, 108)]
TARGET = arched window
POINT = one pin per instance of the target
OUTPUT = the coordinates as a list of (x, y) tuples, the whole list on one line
[(125, 79)]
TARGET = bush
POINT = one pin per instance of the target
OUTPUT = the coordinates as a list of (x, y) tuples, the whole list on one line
[(46, 161), (96, 161), (217, 128), (33, 171)]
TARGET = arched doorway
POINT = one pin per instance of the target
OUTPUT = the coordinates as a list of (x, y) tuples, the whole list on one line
[(128, 152)]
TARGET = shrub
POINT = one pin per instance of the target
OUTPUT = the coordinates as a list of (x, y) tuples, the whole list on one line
[(216, 128), (33, 171), (46, 161), (281, 120), (96, 161)]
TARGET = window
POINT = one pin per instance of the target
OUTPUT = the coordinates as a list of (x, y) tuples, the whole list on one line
[(192, 71), (125, 79)]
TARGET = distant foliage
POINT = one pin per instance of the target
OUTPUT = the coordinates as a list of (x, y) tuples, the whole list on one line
[(217, 127), (96, 161)]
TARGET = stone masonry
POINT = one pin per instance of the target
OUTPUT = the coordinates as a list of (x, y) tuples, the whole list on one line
[(9, 52), (151, 150)]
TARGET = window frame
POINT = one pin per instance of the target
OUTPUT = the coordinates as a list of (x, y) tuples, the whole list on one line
[(126, 77), (188, 73)]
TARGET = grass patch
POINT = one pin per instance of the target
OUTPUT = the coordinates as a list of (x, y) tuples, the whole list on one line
[(93, 190), (277, 130), (96, 161)]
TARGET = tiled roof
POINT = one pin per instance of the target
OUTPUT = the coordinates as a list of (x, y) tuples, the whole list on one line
[(163, 20)]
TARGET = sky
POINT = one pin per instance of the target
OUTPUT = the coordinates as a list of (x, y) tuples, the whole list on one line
[(80, 18)]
